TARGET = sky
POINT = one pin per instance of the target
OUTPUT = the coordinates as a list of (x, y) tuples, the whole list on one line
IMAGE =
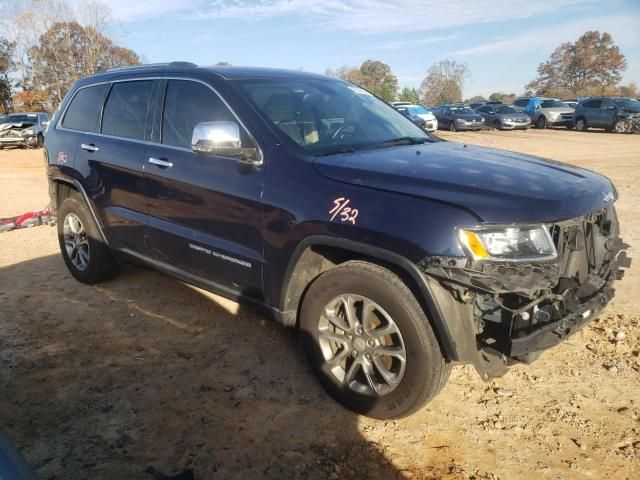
[(502, 41)]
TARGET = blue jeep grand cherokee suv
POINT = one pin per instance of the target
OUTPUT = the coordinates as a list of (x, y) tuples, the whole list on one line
[(394, 253)]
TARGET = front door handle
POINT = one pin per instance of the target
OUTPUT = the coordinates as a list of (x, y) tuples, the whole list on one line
[(89, 147), (160, 162)]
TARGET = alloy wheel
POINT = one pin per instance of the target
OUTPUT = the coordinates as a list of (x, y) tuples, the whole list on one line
[(621, 126), (362, 346), (76, 241)]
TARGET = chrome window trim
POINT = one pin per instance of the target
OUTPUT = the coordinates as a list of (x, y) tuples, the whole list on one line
[(59, 125)]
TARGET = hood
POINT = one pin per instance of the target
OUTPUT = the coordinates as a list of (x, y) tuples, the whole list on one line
[(16, 125), (498, 186), (426, 116)]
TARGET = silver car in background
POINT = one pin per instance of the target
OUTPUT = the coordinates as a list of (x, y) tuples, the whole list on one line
[(504, 117), (545, 112)]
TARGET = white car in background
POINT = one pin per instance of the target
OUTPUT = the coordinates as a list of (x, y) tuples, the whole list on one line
[(419, 114)]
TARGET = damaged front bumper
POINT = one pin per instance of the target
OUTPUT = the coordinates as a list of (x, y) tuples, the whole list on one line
[(510, 312)]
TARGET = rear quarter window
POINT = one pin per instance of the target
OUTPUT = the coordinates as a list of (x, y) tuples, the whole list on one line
[(83, 112)]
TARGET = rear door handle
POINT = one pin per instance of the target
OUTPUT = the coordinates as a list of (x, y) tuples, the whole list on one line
[(89, 147), (160, 162)]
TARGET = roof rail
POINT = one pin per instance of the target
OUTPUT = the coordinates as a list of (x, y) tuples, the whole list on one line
[(152, 65)]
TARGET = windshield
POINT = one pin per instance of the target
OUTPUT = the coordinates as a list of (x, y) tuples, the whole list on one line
[(31, 119), (552, 104), (629, 103), (419, 110), (505, 109), (460, 110), (329, 116)]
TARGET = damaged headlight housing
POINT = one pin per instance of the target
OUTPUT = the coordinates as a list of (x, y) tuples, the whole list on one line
[(508, 243)]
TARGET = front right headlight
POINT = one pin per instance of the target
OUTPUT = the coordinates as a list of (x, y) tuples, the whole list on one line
[(508, 243)]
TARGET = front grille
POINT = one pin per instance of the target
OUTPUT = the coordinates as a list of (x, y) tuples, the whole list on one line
[(567, 116)]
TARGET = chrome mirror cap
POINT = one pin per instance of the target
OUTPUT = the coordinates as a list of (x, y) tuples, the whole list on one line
[(222, 139)]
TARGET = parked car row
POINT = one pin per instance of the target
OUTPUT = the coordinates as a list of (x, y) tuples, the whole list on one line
[(613, 114)]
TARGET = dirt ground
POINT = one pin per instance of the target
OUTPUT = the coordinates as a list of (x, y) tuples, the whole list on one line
[(102, 382)]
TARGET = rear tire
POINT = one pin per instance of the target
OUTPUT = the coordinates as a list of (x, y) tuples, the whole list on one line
[(541, 123), (40, 141), (87, 257), (380, 385)]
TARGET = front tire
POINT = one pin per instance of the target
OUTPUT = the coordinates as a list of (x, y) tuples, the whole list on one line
[(369, 341), (621, 126), (497, 125), (541, 123), (452, 126), (87, 257), (581, 125)]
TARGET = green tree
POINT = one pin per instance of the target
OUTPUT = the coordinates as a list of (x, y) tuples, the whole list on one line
[(379, 79), (409, 94), (591, 65), (372, 75), (444, 82), (7, 50)]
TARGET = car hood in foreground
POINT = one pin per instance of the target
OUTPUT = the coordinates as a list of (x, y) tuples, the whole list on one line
[(498, 186)]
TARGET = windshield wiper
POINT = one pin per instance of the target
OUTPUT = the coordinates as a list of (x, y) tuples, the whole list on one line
[(337, 151), (404, 141)]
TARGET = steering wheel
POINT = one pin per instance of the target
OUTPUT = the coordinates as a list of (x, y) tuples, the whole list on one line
[(338, 133)]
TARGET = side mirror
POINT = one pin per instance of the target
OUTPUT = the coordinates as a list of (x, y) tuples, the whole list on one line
[(222, 139)]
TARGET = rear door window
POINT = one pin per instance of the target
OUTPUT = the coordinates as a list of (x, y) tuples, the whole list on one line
[(83, 112), (606, 103), (125, 113), (592, 104)]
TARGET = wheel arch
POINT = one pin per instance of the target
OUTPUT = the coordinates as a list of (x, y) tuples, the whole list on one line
[(318, 254), (62, 186)]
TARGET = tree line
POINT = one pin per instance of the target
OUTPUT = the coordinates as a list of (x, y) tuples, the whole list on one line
[(592, 65), (47, 44)]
